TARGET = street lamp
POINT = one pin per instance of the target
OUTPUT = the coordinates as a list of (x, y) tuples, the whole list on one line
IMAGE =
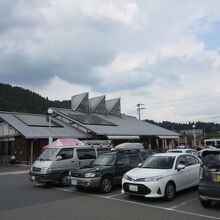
[(50, 112), (194, 135)]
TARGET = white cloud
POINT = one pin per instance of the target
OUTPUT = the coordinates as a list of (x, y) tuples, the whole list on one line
[(142, 51), (125, 70), (58, 89)]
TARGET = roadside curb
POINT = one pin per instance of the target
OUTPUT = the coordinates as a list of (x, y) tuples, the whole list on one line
[(14, 172)]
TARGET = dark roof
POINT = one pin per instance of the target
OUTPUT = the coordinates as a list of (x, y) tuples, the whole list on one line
[(35, 126), (123, 126)]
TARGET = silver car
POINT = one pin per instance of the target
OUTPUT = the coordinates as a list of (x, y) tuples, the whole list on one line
[(54, 163)]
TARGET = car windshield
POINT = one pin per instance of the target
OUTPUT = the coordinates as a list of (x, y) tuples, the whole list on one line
[(159, 162), (212, 160), (48, 154), (105, 160)]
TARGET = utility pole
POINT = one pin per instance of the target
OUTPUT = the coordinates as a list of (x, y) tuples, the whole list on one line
[(139, 108), (194, 135), (50, 112)]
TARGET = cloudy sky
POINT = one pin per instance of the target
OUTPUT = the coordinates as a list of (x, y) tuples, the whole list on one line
[(164, 54)]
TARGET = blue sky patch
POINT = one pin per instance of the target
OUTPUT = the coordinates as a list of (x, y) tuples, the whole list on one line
[(211, 37)]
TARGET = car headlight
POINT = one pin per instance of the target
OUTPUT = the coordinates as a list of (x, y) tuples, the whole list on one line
[(45, 169), (125, 176), (153, 178), (90, 175)]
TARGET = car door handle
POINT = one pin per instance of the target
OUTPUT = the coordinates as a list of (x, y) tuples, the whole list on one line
[(72, 161)]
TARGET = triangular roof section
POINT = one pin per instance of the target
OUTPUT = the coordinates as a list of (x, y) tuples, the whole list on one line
[(113, 106), (80, 103), (98, 105)]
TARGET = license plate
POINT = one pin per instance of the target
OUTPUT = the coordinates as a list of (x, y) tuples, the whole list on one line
[(33, 178), (133, 188), (74, 182), (218, 178)]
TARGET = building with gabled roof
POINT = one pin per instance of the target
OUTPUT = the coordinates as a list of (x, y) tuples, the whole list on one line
[(25, 134)]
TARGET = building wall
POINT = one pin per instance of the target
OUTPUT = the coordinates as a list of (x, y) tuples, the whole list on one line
[(20, 149), (6, 130)]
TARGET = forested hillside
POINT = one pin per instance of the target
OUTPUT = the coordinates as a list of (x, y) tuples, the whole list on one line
[(210, 129), (17, 99)]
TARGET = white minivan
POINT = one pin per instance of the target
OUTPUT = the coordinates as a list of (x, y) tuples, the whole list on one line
[(54, 163)]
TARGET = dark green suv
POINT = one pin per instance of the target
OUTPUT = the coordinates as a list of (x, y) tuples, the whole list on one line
[(106, 171), (209, 185)]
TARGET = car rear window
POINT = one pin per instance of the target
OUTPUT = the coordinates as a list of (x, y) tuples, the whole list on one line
[(84, 154), (212, 160)]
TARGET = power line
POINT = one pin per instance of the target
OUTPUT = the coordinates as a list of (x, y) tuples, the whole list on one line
[(185, 99), (185, 102)]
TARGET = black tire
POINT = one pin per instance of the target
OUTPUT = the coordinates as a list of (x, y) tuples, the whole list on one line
[(106, 184), (170, 191), (48, 183), (79, 188), (206, 203), (63, 180)]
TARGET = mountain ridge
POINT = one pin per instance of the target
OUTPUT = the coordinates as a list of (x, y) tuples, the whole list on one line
[(19, 99)]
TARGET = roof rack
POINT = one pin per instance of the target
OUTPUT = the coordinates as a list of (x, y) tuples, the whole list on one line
[(125, 150)]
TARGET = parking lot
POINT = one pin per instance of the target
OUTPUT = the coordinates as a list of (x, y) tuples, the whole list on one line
[(22, 199)]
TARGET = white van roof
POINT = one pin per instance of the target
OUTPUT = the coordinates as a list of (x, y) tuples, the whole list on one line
[(129, 146)]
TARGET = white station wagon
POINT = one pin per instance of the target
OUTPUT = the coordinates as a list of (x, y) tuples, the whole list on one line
[(162, 175)]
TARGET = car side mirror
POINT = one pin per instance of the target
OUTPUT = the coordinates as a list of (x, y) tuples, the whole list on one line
[(181, 167), (139, 165), (59, 158), (120, 164)]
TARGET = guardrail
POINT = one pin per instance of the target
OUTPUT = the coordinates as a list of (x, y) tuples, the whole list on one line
[(4, 159)]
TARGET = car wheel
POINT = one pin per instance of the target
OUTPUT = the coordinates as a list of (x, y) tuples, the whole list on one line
[(79, 188), (64, 180), (206, 203), (170, 191), (106, 184), (48, 183)]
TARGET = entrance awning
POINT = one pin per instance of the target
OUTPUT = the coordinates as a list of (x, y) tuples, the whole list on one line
[(123, 137), (168, 137)]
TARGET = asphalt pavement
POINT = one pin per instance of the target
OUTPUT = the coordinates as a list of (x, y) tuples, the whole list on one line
[(7, 168), (21, 199)]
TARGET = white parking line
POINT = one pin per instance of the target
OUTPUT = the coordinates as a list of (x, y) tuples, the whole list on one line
[(74, 190), (168, 209), (67, 190), (111, 196), (182, 204), (14, 172), (143, 204)]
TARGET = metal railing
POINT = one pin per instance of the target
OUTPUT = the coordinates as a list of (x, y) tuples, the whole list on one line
[(4, 159)]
